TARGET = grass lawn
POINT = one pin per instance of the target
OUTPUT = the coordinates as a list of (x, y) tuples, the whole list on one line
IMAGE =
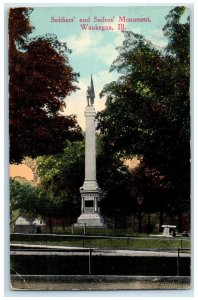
[(104, 242)]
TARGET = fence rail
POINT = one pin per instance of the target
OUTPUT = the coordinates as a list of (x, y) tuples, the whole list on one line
[(179, 250), (101, 236), (104, 241), (174, 265)]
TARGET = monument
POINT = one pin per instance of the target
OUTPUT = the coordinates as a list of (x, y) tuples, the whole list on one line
[(90, 191)]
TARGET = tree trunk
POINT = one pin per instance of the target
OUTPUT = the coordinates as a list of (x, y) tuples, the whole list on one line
[(50, 224), (160, 220), (140, 221), (149, 219), (179, 221), (149, 226), (62, 223)]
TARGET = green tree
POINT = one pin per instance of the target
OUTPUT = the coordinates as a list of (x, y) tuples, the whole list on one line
[(23, 198), (40, 77), (150, 192), (148, 109), (113, 178), (62, 175), (31, 200)]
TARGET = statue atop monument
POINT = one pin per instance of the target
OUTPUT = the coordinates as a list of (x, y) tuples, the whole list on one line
[(90, 94)]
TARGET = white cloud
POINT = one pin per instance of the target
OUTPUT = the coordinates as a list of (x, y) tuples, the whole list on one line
[(136, 29), (84, 42), (157, 37), (158, 42), (157, 33), (94, 42), (106, 53)]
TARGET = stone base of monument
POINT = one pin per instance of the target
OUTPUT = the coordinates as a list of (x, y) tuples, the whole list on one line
[(90, 210), (90, 220)]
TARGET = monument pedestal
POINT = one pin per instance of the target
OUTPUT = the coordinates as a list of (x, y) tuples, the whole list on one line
[(90, 211), (90, 192)]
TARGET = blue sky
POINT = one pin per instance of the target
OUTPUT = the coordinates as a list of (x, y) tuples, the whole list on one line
[(93, 51)]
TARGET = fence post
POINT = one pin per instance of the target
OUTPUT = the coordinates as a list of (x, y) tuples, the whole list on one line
[(85, 229), (90, 261), (127, 242), (72, 228), (178, 266)]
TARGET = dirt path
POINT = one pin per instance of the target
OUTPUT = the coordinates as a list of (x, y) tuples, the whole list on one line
[(94, 286)]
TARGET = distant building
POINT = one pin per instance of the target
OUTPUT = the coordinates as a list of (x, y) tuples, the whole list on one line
[(26, 224)]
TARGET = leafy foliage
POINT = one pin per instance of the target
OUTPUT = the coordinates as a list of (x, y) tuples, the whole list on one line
[(62, 175), (113, 178), (148, 109), (25, 198), (40, 78)]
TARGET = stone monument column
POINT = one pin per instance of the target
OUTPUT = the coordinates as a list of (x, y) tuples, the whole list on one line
[(90, 148), (90, 192)]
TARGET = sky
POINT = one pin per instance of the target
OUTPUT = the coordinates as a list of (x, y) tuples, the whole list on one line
[(93, 51), (22, 171)]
